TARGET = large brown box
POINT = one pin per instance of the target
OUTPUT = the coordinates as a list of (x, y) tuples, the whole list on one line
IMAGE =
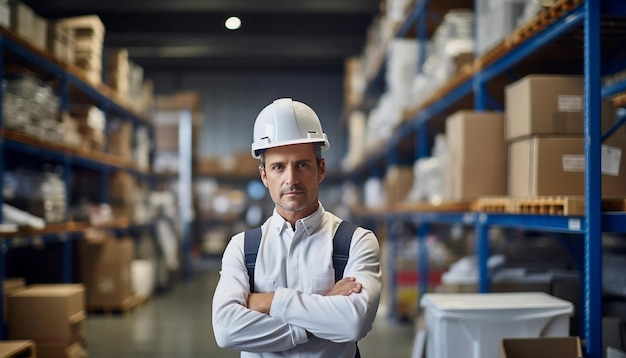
[(554, 165), (57, 350), (10, 287), (476, 161), (398, 182), (542, 347), (548, 104), (106, 271), (18, 348), (51, 312)]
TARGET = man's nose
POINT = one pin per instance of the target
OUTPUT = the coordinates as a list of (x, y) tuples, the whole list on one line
[(291, 176)]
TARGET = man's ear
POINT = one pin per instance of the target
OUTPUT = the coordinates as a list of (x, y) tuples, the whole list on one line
[(263, 175), (322, 173)]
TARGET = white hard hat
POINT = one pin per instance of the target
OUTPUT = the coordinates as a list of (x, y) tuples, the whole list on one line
[(286, 122)]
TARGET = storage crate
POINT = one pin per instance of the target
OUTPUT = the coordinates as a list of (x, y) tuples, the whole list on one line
[(473, 325)]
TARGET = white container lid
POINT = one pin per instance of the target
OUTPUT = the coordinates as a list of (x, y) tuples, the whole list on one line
[(493, 301)]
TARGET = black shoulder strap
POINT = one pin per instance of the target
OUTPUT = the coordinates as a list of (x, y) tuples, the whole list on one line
[(251, 243), (341, 249)]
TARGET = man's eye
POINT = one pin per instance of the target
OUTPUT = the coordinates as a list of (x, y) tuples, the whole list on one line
[(277, 167), (303, 165)]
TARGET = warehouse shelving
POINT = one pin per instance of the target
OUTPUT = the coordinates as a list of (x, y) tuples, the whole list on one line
[(576, 36), (19, 53)]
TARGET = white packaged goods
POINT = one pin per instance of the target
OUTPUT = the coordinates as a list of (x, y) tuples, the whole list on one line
[(496, 19), (472, 325)]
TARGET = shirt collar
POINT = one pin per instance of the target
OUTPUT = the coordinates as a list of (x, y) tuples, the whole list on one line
[(309, 223)]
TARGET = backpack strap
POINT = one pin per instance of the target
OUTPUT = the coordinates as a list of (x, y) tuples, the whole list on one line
[(251, 243), (341, 247)]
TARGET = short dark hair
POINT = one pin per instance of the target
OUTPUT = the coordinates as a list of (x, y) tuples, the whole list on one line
[(317, 148)]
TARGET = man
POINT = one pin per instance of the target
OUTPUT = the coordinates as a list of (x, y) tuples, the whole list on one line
[(296, 309)]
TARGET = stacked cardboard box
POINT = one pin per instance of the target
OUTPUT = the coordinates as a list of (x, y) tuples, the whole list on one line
[(88, 32), (61, 41), (397, 183), (123, 191), (544, 131), (52, 315), (18, 348), (106, 273), (120, 137), (118, 71), (10, 287), (476, 158), (5, 13)]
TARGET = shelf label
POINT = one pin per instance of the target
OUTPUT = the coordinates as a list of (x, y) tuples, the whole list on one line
[(611, 158), (570, 103), (574, 224), (573, 163)]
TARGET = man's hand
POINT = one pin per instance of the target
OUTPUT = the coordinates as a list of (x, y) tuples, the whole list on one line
[(345, 287), (261, 302)]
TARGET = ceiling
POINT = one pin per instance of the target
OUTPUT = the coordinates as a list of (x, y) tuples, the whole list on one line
[(175, 34)]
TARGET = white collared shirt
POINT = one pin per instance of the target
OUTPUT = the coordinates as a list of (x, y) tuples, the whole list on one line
[(297, 267)]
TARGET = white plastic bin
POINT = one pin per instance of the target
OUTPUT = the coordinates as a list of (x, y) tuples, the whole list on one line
[(472, 325)]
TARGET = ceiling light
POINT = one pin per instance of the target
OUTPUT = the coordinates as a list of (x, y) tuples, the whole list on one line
[(233, 23)]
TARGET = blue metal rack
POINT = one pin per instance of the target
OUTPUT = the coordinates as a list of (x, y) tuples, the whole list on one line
[(70, 82), (578, 15)]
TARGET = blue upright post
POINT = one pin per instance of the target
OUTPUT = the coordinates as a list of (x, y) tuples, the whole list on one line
[(423, 260), (481, 237), (593, 191), (67, 258)]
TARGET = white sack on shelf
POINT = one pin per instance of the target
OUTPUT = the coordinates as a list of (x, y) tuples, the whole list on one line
[(19, 217)]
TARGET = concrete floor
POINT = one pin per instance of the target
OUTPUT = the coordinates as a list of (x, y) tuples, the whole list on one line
[(177, 324)]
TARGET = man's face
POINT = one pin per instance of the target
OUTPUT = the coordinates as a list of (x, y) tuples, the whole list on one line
[(292, 176)]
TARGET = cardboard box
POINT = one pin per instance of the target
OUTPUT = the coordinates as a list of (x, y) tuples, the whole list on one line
[(189, 100), (106, 271), (554, 165), (120, 137), (397, 183), (544, 347), (39, 32), (543, 104), (5, 13), (52, 350), (22, 19), (476, 161), (11, 286), (60, 41), (18, 348), (51, 312)]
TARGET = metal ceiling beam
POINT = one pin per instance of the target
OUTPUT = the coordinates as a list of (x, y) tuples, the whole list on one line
[(267, 6)]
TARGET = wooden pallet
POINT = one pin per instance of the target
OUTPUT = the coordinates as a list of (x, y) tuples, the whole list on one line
[(123, 307), (544, 205), (620, 100), (543, 19), (446, 206)]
